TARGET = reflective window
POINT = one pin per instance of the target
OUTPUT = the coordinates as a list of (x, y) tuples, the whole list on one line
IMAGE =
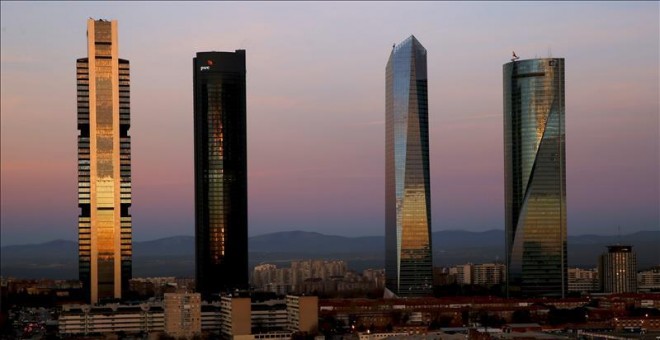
[(409, 262), (535, 171)]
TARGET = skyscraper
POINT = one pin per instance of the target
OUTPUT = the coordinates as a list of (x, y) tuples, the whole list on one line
[(220, 171), (408, 251), (104, 165), (617, 270), (535, 177)]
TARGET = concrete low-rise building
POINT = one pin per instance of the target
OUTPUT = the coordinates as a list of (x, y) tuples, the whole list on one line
[(483, 274), (645, 322), (583, 280), (302, 313), (211, 316), (242, 316), (111, 318), (235, 317), (264, 316), (649, 280)]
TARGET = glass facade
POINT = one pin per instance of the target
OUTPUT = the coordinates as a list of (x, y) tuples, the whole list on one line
[(408, 253), (220, 172), (535, 177), (104, 166)]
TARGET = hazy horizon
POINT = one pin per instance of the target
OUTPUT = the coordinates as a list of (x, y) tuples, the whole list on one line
[(316, 110), (325, 234)]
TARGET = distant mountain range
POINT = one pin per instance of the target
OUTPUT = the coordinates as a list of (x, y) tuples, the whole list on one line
[(174, 256)]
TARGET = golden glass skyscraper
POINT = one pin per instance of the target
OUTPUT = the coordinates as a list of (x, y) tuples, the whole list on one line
[(104, 165), (535, 177), (408, 250)]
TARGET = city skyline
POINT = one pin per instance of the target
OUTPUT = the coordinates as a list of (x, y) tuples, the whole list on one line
[(295, 157)]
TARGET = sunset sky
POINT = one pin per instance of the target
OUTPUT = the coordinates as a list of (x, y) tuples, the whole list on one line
[(316, 109)]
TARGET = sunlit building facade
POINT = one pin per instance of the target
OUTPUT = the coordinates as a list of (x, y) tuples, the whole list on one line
[(220, 172), (535, 177), (408, 253), (182, 315), (104, 165)]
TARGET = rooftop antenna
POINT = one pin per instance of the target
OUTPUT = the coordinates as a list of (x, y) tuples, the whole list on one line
[(549, 51), (619, 232), (514, 57)]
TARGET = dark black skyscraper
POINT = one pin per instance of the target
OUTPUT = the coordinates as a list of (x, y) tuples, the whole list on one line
[(220, 172)]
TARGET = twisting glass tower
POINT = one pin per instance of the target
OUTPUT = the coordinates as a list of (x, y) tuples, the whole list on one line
[(408, 258), (535, 177), (104, 165)]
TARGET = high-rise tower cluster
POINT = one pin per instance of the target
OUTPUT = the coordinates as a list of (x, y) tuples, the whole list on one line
[(534, 157), (104, 168)]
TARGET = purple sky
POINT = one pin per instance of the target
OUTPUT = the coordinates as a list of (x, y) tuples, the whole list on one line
[(316, 83)]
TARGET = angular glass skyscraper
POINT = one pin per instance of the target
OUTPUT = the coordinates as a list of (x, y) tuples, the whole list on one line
[(535, 177), (408, 251), (221, 246), (104, 165)]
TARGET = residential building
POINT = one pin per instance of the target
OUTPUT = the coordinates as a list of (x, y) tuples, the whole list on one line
[(314, 277), (262, 315), (484, 274), (79, 320), (269, 314), (236, 316), (649, 280), (146, 287), (488, 274), (302, 313), (462, 274), (183, 314), (583, 280)]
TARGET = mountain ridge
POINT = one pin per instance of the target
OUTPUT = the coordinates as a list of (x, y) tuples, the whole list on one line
[(293, 232), (174, 255)]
